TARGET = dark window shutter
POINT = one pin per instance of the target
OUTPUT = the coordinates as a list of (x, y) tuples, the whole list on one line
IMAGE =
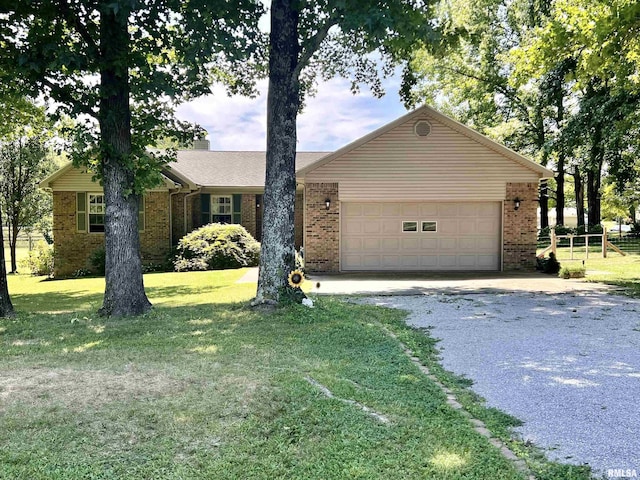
[(81, 211), (205, 208), (237, 208)]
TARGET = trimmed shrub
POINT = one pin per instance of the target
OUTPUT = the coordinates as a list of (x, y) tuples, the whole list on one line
[(548, 265), (39, 261), (572, 271), (217, 246)]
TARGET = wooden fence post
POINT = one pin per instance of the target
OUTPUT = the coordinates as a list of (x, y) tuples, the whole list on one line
[(604, 242), (553, 241)]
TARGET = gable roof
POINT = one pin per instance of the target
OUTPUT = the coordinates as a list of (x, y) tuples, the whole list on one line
[(230, 169), (62, 171), (451, 123)]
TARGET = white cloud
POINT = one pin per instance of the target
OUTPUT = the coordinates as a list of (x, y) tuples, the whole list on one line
[(331, 119)]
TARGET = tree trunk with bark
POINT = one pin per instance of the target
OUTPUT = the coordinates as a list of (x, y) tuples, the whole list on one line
[(544, 204), (579, 191), (6, 307), (277, 256), (560, 200), (593, 196), (13, 241), (124, 292)]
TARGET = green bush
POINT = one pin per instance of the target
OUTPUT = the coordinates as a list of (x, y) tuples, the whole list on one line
[(215, 247), (39, 261), (572, 271), (97, 260)]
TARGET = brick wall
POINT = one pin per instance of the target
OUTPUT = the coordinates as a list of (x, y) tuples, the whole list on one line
[(298, 221), (179, 218), (72, 248), (520, 227), (249, 213), (322, 230)]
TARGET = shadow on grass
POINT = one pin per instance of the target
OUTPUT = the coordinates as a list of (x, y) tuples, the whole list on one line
[(56, 302)]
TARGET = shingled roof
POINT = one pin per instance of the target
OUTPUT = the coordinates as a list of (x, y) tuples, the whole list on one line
[(230, 169)]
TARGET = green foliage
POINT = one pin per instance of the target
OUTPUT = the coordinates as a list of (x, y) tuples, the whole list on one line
[(97, 260), (549, 265), (217, 246), (56, 54), (39, 260), (572, 271)]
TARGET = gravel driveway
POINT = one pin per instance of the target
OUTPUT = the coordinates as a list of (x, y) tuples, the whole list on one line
[(566, 364)]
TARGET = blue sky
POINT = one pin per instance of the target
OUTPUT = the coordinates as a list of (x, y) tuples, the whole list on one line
[(331, 119)]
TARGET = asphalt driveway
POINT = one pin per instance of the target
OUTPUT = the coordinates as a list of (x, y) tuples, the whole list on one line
[(566, 363)]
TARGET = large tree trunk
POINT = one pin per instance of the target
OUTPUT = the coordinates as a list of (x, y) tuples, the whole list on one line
[(579, 191), (6, 308), (277, 256), (560, 202), (13, 240), (593, 196), (124, 292), (544, 204)]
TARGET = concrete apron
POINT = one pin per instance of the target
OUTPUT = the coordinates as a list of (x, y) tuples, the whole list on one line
[(447, 283)]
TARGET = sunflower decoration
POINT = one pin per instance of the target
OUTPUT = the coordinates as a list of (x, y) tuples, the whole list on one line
[(296, 277)]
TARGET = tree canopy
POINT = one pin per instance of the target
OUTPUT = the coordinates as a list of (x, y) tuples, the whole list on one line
[(118, 67)]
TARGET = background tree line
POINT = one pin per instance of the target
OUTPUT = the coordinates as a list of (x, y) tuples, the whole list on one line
[(555, 80)]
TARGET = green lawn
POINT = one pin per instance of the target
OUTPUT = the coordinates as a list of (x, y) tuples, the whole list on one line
[(204, 387), (616, 269)]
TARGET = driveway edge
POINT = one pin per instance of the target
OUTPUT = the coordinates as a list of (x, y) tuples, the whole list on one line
[(478, 425)]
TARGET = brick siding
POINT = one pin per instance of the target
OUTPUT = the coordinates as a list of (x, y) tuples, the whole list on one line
[(520, 227), (298, 221), (322, 230), (249, 214), (72, 248)]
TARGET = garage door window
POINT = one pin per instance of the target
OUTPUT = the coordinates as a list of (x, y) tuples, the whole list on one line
[(429, 226), (409, 226)]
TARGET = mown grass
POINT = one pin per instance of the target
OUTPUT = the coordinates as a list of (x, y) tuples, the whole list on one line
[(204, 387), (623, 271)]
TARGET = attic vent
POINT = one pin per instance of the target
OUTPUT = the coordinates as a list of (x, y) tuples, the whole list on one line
[(422, 128)]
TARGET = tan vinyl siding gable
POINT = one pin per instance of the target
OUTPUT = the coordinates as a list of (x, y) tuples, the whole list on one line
[(79, 180), (400, 166)]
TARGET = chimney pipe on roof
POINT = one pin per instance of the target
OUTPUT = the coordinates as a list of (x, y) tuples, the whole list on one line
[(201, 144)]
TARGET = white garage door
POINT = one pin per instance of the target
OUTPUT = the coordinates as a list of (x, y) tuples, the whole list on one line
[(420, 236)]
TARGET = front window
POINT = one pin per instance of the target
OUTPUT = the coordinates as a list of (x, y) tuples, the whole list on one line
[(96, 212), (221, 209)]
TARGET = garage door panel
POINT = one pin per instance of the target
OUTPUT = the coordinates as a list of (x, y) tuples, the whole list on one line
[(467, 244), (410, 210), (447, 209), (390, 244), (372, 227), (467, 236), (371, 261), (429, 210), (468, 210), (448, 243), (392, 226), (391, 210), (429, 262), (468, 261), (352, 227), (492, 210), (352, 245), (448, 227), (371, 209), (429, 243), (351, 209), (411, 244), (467, 227), (410, 261), (371, 244), (488, 227)]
